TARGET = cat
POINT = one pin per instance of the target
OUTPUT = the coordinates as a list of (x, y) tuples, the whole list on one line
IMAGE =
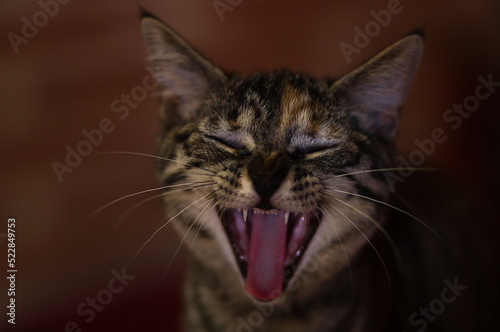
[(277, 180)]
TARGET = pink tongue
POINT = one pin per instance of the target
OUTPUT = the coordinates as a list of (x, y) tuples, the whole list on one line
[(266, 259)]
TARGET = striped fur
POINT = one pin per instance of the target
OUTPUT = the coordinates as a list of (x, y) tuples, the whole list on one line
[(326, 136)]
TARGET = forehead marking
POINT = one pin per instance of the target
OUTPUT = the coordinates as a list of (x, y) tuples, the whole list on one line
[(296, 109)]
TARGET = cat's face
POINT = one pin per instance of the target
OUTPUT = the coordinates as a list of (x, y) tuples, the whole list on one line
[(269, 170)]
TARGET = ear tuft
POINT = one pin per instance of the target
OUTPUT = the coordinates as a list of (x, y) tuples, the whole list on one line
[(376, 91)]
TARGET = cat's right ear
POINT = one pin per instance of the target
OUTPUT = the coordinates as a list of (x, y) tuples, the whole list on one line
[(184, 76)]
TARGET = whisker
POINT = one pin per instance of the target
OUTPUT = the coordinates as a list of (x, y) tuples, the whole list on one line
[(199, 227), (135, 206), (221, 213), (96, 212), (207, 204), (341, 245), (380, 228), (195, 185), (163, 226), (424, 169), (400, 210), (373, 247), (153, 156)]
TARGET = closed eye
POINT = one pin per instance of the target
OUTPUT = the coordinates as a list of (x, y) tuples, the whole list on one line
[(230, 143), (313, 148)]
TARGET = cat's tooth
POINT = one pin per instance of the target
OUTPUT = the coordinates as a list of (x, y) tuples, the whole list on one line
[(245, 213), (257, 210), (287, 215)]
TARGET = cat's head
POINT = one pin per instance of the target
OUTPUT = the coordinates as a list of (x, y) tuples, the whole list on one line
[(271, 171)]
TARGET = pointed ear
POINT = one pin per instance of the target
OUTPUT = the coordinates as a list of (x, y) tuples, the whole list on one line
[(376, 91), (184, 76)]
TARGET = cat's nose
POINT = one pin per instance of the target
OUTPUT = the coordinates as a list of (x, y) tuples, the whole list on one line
[(267, 172)]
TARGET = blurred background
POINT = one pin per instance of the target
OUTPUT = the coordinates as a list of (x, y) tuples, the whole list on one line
[(64, 75)]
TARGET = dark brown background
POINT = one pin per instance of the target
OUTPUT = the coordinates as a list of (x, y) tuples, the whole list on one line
[(66, 77)]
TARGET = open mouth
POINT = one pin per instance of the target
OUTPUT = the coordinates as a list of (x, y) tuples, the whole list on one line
[(268, 245)]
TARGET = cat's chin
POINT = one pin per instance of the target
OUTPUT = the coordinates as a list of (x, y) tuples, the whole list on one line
[(268, 245)]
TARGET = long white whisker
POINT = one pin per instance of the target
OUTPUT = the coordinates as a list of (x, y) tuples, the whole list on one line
[(135, 206), (373, 247), (400, 210), (207, 204), (152, 156), (132, 195), (165, 224), (341, 244), (425, 169), (199, 226), (380, 228)]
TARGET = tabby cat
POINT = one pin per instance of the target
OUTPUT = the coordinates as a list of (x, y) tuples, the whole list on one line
[(278, 182)]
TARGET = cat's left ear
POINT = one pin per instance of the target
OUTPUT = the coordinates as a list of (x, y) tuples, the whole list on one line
[(375, 92), (185, 77)]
